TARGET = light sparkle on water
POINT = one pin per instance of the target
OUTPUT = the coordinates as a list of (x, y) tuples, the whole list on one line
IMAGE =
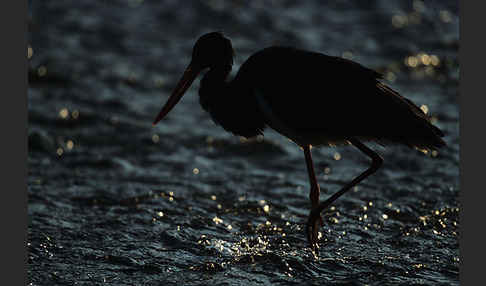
[(266, 208), (337, 156), (75, 114), (64, 113), (70, 144), (217, 220), (30, 52)]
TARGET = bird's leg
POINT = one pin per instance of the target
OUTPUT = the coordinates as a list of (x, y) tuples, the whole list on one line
[(315, 190), (377, 161)]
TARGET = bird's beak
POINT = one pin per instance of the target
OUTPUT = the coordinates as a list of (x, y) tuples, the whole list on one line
[(185, 82)]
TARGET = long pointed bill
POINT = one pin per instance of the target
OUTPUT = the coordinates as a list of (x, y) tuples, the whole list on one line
[(185, 82)]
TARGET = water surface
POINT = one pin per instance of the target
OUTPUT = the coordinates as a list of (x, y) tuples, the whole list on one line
[(113, 200)]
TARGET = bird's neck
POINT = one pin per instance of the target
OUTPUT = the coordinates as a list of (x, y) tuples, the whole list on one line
[(215, 77), (213, 85), (230, 104)]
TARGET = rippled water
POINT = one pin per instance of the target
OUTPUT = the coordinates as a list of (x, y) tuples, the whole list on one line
[(113, 200)]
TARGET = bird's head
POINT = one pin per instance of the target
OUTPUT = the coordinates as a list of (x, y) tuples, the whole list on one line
[(211, 50)]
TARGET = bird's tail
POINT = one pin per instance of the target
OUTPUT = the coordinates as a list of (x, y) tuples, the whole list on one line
[(424, 135)]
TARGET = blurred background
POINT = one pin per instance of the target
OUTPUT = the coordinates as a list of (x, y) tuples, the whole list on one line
[(114, 200)]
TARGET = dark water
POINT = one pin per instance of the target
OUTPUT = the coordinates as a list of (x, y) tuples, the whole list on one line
[(114, 201)]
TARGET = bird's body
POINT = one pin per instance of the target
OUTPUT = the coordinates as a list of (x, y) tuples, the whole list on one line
[(311, 98), (321, 100)]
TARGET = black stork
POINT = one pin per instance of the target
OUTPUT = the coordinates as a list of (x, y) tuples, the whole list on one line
[(311, 98)]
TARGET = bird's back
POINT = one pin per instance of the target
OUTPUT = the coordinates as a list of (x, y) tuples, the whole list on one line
[(324, 100)]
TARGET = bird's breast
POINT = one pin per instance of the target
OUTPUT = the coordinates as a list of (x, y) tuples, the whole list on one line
[(291, 126), (234, 109)]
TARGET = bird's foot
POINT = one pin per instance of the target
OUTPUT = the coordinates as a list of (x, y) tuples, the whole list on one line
[(312, 228)]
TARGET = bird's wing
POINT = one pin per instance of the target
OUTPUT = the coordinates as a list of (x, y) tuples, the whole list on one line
[(307, 90), (311, 93)]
